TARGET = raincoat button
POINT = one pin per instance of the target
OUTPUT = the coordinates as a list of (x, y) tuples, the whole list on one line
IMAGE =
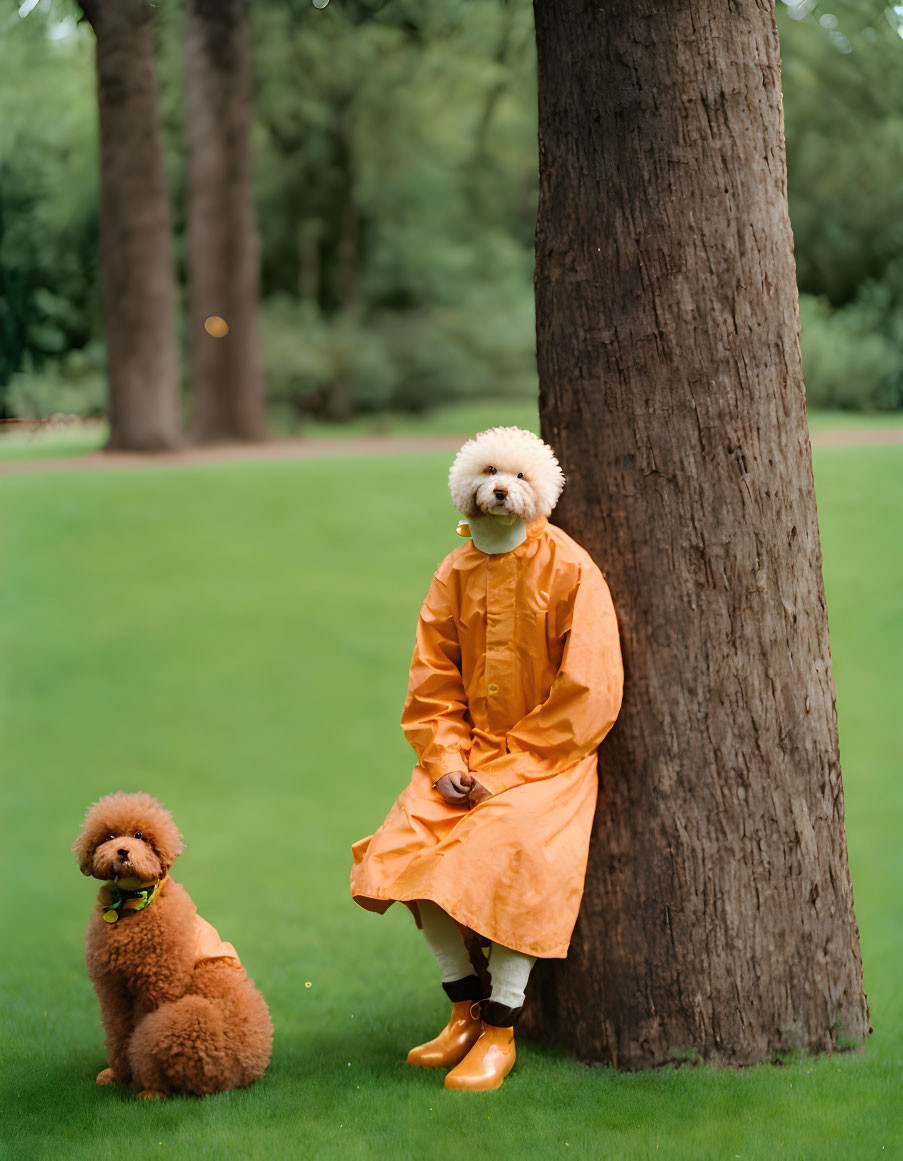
[(493, 688)]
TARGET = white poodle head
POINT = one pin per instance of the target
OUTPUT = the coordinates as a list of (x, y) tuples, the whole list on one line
[(505, 472)]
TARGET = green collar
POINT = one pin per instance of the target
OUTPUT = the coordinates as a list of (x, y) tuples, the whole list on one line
[(117, 901)]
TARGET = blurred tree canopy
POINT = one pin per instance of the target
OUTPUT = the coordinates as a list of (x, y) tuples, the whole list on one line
[(50, 299), (395, 176), (843, 107)]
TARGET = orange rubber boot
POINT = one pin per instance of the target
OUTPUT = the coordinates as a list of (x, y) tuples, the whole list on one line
[(453, 1042), (488, 1062)]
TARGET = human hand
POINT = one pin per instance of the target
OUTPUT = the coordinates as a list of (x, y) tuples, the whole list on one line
[(454, 788), (477, 793)]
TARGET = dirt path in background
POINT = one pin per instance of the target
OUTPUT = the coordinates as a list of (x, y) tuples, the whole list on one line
[(291, 449), (865, 437), (276, 449)]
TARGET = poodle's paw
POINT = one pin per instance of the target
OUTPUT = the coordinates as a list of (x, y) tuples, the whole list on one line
[(107, 1076), (151, 1094)]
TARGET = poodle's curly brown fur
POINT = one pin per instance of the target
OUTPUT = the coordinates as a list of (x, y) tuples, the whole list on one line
[(176, 1019)]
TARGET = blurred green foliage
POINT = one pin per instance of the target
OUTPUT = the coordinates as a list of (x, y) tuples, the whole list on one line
[(843, 106), (396, 171), (395, 155), (49, 283), (849, 360)]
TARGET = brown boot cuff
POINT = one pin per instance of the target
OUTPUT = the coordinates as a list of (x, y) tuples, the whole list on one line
[(470, 988), (498, 1015)]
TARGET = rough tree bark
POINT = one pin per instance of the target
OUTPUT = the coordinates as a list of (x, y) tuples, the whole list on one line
[(223, 248), (135, 247), (718, 919)]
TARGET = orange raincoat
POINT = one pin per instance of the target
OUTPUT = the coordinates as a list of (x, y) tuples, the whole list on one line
[(516, 677)]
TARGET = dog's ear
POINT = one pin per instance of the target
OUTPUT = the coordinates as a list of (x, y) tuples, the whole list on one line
[(168, 845), (167, 841), (83, 849), (465, 470)]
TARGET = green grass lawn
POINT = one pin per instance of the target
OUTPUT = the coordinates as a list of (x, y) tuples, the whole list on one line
[(235, 639)]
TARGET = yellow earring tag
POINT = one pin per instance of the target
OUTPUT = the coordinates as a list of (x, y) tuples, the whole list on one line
[(463, 529), (110, 916)]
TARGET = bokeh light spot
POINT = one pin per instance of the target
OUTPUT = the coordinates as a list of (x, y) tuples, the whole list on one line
[(216, 326)]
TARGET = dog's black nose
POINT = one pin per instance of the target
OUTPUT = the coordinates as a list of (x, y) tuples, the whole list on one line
[(122, 854), (501, 493)]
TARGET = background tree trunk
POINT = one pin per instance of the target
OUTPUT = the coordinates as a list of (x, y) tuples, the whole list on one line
[(135, 247), (223, 251), (718, 919)]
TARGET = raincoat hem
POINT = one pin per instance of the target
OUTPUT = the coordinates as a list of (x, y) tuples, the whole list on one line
[(452, 909)]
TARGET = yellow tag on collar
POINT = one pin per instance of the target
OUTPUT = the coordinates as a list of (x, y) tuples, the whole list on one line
[(110, 916), (463, 528)]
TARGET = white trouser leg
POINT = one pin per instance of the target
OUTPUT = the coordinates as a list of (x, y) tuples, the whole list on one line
[(510, 971), (445, 942)]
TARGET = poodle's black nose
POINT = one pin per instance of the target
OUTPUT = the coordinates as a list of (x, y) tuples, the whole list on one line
[(501, 493), (122, 854)]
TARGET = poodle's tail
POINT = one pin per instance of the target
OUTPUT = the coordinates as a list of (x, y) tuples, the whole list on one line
[(217, 1037), (183, 1047)]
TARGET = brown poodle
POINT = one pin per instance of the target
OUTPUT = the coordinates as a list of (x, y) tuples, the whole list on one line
[(179, 1011)]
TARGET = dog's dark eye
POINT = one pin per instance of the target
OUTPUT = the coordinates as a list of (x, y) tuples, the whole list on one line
[(138, 834), (520, 475), (491, 470), (110, 838)]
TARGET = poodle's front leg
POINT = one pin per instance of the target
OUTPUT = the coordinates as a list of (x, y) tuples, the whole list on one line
[(117, 1014)]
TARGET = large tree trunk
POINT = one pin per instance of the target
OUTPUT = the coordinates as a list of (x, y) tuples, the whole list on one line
[(717, 922), (223, 250), (135, 246)]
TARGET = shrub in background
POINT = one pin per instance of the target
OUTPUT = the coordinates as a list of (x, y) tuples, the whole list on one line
[(332, 367), (75, 384), (850, 361)]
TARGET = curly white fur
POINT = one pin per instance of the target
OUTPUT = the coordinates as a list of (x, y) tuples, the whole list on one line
[(506, 471)]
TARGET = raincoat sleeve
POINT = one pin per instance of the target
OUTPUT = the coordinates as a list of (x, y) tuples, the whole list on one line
[(435, 719), (584, 699)]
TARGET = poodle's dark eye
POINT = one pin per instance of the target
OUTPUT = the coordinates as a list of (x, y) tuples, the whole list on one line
[(491, 470), (110, 838), (138, 834), (520, 475)]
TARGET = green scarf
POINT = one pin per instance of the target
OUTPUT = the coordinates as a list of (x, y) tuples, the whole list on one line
[(117, 901)]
